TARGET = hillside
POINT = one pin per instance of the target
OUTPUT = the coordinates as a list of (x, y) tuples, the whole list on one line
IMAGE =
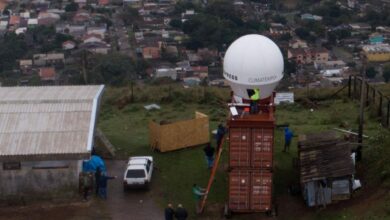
[(125, 124)]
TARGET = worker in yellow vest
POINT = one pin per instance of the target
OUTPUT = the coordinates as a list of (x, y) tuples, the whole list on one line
[(254, 101)]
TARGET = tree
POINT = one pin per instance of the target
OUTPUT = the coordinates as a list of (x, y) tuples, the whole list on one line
[(386, 72), (302, 33), (285, 37), (12, 47), (129, 15), (290, 66), (279, 19), (175, 23), (114, 69), (371, 72), (71, 7)]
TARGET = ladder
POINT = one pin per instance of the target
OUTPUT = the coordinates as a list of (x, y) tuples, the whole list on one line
[(213, 172)]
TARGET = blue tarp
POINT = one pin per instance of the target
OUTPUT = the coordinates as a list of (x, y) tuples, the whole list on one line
[(92, 164)]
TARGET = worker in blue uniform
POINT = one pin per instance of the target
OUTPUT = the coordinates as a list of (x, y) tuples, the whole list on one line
[(288, 135)]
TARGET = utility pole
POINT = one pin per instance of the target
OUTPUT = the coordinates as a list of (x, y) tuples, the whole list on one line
[(361, 110)]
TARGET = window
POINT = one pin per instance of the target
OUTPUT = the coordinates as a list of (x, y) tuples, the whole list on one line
[(135, 174), (148, 165), (11, 166), (50, 165)]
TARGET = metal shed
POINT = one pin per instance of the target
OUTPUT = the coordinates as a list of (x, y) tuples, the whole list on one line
[(45, 133), (326, 168)]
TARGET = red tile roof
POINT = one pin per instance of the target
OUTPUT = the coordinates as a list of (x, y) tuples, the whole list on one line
[(3, 5), (47, 73), (104, 2), (14, 20)]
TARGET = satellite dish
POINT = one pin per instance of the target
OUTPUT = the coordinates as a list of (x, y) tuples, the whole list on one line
[(253, 62)]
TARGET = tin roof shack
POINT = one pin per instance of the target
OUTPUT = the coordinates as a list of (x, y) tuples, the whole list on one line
[(45, 134), (326, 168)]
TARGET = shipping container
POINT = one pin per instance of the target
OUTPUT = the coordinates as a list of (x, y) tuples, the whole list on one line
[(251, 147), (250, 191)]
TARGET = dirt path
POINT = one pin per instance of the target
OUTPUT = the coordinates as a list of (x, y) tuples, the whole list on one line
[(135, 204)]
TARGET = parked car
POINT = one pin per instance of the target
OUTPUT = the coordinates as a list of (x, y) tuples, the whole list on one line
[(138, 172)]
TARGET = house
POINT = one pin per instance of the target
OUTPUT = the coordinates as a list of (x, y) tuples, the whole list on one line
[(311, 17), (200, 71), (48, 19), (187, 15), (139, 36), (3, 6), (376, 38), (171, 50), (207, 55), (332, 64), (25, 15), (297, 43), (77, 31), (332, 72), (308, 55), (54, 127), (50, 15), (25, 66), (89, 38), (32, 22), (133, 3), (166, 72), (81, 17), (81, 3), (101, 31), (96, 47), (191, 81), (14, 21), (151, 52), (47, 73), (330, 157), (48, 59), (359, 28), (3, 25), (104, 2), (68, 45), (377, 52), (20, 30), (278, 29), (193, 57)]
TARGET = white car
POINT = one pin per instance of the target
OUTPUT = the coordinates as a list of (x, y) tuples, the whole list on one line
[(138, 172)]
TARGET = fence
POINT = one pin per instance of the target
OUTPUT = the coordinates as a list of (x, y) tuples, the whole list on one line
[(373, 98), (177, 135)]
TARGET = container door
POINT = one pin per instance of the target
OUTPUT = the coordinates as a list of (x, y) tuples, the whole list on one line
[(261, 191), (240, 147), (263, 139), (239, 187)]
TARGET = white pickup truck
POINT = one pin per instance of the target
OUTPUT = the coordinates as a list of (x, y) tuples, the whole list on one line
[(138, 172)]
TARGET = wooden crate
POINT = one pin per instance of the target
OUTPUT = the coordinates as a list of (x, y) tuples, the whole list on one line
[(178, 135)]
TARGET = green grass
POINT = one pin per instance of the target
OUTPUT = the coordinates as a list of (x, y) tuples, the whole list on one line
[(176, 171)]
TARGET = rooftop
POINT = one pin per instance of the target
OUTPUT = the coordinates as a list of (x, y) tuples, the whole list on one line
[(46, 123), (377, 48)]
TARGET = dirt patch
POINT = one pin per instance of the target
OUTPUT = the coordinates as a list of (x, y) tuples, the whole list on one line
[(136, 204)]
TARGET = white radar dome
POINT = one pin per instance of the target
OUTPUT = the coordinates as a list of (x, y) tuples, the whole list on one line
[(253, 62)]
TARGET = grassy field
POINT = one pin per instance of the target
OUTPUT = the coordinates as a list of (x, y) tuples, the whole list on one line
[(127, 128)]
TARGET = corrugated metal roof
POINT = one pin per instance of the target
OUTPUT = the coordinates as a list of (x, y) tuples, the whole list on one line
[(58, 94), (53, 120)]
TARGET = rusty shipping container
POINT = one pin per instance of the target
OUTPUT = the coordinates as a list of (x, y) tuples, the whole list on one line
[(251, 147), (250, 190)]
